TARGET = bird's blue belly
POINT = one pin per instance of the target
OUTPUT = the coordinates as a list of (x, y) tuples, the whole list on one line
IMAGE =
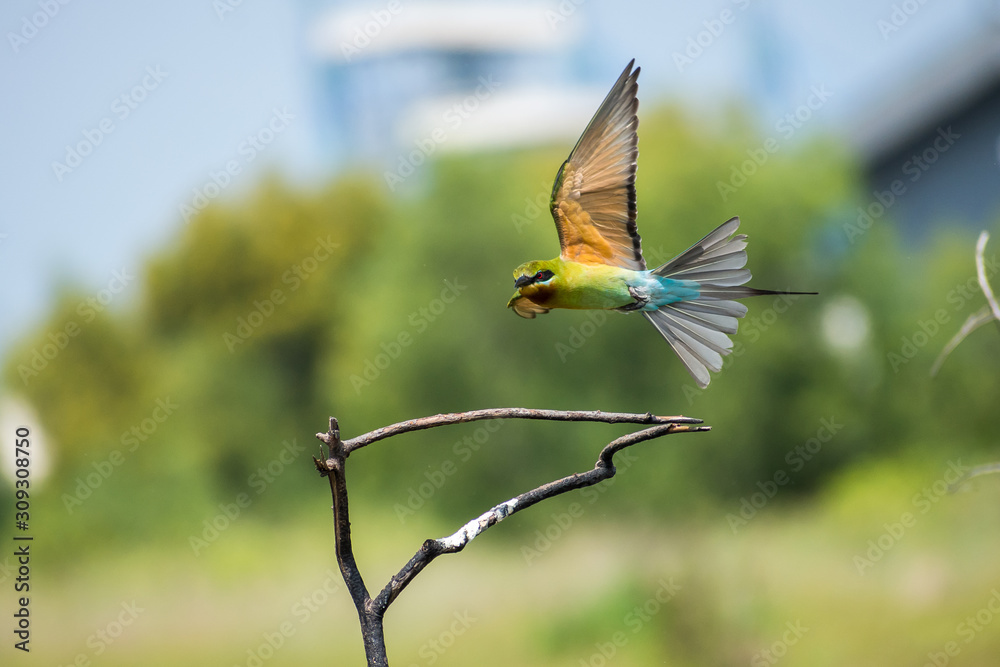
[(658, 291)]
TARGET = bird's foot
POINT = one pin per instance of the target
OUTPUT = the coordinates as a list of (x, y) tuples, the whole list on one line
[(641, 299)]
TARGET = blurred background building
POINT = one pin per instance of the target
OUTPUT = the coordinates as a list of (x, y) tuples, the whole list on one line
[(461, 75), (390, 77), (938, 123), (369, 82)]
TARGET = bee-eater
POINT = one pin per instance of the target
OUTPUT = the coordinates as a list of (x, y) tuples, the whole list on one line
[(690, 299)]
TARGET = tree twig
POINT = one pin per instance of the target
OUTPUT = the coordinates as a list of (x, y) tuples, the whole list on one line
[(973, 322), (985, 469), (509, 413), (984, 284), (985, 315), (371, 611)]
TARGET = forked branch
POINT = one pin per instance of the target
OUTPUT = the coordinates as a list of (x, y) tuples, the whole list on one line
[(371, 611), (988, 313)]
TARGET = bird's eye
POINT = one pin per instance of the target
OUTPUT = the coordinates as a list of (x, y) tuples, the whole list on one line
[(538, 276)]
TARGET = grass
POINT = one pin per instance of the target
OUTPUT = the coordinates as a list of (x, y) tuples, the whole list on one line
[(788, 583)]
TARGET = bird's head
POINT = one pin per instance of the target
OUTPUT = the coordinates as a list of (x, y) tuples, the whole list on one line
[(535, 285), (532, 277)]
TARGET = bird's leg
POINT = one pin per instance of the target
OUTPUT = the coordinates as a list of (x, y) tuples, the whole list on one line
[(641, 299)]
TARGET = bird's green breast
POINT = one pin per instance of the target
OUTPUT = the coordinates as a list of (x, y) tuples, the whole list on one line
[(585, 286)]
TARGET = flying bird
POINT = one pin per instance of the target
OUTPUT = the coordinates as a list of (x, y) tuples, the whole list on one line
[(690, 299)]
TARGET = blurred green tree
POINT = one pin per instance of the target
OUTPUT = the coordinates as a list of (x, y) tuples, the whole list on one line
[(270, 313)]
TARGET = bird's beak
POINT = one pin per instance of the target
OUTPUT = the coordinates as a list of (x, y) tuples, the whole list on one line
[(522, 281)]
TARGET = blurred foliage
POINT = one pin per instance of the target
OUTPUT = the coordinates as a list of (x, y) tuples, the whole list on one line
[(268, 314), (190, 409)]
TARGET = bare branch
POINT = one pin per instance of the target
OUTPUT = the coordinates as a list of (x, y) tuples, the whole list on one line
[(509, 413), (985, 315), (333, 469), (981, 271), (602, 470), (985, 469), (372, 611), (974, 321)]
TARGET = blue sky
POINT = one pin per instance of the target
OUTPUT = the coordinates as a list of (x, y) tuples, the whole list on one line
[(163, 95), (219, 82)]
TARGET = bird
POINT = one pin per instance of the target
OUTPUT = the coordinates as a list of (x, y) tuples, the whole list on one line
[(691, 299)]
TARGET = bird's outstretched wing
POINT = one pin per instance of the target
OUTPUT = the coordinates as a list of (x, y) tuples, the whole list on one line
[(593, 199)]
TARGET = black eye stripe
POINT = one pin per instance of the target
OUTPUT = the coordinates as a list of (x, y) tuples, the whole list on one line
[(529, 279)]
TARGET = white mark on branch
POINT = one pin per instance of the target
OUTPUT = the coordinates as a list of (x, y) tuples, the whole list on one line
[(471, 530)]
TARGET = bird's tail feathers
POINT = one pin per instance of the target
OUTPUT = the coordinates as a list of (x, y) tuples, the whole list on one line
[(741, 292), (700, 345), (718, 258), (697, 329)]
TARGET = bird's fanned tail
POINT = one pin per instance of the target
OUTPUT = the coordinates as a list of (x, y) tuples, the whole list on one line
[(697, 329)]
